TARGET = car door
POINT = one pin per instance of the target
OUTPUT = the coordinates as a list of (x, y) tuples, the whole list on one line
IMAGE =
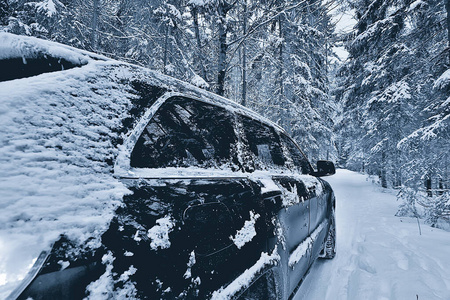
[(318, 203), (294, 223), (271, 154), (319, 222), (310, 199)]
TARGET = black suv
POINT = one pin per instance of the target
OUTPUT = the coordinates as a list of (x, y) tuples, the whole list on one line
[(221, 203)]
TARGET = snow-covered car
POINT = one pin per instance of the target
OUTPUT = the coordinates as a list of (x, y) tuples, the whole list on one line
[(135, 184)]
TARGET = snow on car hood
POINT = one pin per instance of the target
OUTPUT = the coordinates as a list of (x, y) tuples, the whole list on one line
[(55, 142)]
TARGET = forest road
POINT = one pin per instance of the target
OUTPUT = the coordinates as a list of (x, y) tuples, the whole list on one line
[(379, 256)]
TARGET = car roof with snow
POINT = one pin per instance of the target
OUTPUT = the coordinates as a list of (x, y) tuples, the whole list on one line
[(64, 113), (22, 51)]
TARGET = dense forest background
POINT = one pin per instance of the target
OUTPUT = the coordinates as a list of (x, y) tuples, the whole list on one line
[(385, 110)]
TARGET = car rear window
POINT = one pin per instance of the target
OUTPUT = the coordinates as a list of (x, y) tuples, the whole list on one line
[(186, 132)]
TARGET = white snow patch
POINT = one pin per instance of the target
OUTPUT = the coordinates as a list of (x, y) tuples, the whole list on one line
[(246, 233), (200, 2), (290, 195), (63, 264), (443, 80), (311, 183), (200, 82), (55, 138), (245, 279), (190, 263), (126, 275), (268, 185), (136, 236), (48, 7), (159, 234), (30, 47), (103, 287), (301, 249), (415, 4), (173, 11)]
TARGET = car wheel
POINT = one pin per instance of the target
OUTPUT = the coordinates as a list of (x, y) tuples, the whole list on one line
[(329, 248)]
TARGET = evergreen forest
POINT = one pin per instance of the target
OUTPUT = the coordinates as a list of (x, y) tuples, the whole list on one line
[(383, 110)]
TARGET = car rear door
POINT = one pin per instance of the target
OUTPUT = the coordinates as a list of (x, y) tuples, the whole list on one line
[(319, 222), (309, 191), (272, 155)]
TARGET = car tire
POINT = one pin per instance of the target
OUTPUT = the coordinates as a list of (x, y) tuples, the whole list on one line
[(329, 248)]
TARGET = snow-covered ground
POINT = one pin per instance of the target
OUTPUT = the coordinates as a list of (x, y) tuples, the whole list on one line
[(379, 256)]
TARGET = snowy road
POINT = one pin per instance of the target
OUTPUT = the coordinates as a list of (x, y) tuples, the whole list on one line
[(379, 256)]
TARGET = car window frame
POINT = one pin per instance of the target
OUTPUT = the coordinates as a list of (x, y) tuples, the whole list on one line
[(123, 169)]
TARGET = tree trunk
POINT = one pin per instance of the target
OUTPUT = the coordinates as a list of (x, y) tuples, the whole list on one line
[(447, 8), (166, 46), (223, 7), (223, 47), (383, 175), (280, 75), (244, 58), (199, 44), (441, 187), (95, 14), (428, 186)]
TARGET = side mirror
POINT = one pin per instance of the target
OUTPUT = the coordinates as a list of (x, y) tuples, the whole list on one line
[(324, 168)]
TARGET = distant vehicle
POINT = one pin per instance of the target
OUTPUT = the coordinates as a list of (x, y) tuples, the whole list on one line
[(223, 204)]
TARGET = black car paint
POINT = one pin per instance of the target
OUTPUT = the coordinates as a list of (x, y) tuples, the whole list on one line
[(226, 205)]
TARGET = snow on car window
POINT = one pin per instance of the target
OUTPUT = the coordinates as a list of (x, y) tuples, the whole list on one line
[(186, 132)]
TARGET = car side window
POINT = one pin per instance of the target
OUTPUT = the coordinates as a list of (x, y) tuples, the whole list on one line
[(264, 143), (186, 132), (298, 158)]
